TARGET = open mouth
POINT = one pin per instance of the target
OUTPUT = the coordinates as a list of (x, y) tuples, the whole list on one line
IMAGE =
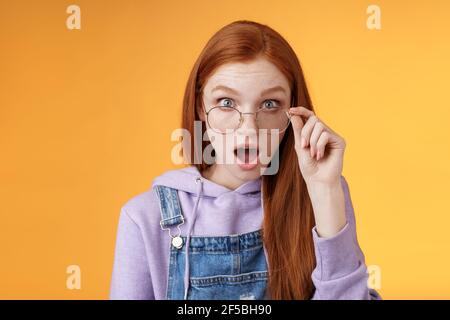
[(246, 154)]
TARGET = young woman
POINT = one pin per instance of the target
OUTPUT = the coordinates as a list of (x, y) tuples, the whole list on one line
[(245, 228)]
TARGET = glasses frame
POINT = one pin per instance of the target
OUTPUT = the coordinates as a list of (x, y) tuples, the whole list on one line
[(241, 117)]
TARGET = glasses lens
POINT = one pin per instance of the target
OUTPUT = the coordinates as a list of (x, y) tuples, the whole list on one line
[(222, 119), (273, 119)]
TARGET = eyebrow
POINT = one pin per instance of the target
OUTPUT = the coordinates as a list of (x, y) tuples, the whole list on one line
[(233, 91)]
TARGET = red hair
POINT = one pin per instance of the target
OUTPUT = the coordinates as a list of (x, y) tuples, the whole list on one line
[(287, 221)]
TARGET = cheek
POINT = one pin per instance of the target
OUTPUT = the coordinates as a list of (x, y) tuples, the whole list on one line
[(202, 116), (218, 143), (269, 143)]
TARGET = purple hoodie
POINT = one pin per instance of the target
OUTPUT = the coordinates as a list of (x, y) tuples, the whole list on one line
[(141, 260)]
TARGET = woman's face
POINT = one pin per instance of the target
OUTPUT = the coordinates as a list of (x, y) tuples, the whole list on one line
[(248, 87)]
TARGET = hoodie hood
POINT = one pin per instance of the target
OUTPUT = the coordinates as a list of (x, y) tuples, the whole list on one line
[(185, 180)]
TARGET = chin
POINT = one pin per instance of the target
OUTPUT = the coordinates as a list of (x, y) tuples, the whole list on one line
[(246, 174)]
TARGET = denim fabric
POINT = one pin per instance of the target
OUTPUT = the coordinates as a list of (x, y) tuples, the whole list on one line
[(221, 267), (169, 205)]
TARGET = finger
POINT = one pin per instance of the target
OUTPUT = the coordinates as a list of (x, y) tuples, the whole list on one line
[(317, 131), (302, 111), (308, 128), (297, 125), (322, 143)]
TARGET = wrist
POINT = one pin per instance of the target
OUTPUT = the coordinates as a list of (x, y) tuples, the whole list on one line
[(328, 202), (324, 190)]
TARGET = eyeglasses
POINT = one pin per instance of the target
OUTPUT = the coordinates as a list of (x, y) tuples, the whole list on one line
[(227, 119)]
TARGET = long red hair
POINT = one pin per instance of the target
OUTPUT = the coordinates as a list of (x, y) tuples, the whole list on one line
[(288, 213)]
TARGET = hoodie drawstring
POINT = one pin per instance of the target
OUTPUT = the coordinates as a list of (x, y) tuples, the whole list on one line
[(199, 182)]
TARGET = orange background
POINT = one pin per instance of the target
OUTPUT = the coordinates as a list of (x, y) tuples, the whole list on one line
[(86, 117)]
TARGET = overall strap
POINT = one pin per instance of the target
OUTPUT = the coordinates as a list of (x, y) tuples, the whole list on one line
[(169, 204)]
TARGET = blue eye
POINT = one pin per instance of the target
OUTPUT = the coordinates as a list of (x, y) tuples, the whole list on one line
[(227, 102), (272, 105)]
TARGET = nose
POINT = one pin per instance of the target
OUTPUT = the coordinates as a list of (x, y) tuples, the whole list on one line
[(249, 122), (248, 129)]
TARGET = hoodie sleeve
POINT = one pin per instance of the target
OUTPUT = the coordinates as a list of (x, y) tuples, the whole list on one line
[(340, 271), (130, 277)]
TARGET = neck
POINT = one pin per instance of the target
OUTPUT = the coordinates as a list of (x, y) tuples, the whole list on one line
[(218, 174)]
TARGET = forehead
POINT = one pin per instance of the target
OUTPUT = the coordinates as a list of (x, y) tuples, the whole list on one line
[(252, 76)]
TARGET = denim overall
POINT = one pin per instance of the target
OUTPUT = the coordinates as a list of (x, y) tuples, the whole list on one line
[(219, 267)]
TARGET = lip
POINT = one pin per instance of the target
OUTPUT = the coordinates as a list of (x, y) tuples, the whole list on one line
[(247, 146), (247, 166), (243, 165)]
